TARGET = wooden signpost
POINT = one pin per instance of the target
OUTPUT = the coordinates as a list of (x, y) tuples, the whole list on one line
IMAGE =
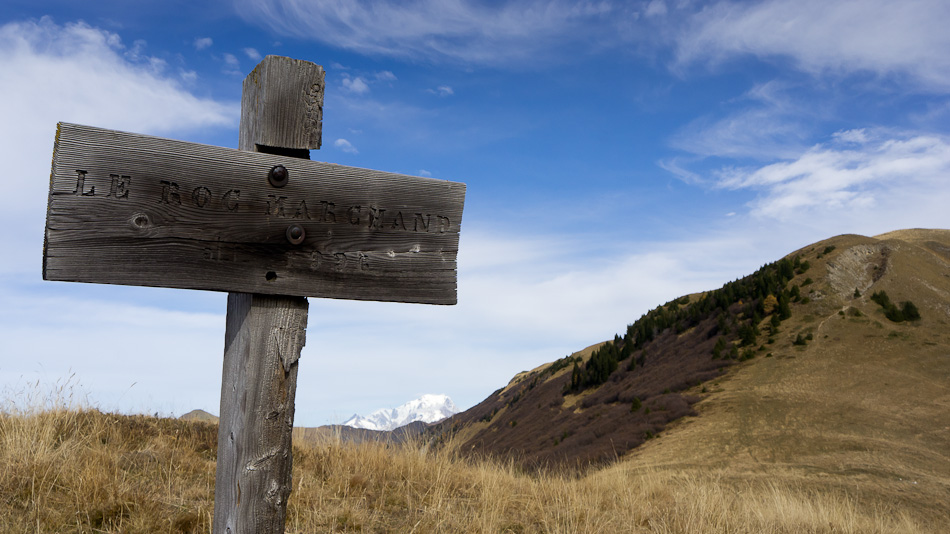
[(265, 224)]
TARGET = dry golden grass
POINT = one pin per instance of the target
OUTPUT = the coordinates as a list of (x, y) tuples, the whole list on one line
[(78, 470), (66, 468)]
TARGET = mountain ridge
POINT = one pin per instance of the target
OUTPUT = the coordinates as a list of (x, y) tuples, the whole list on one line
[(541, 419), (429, 408)]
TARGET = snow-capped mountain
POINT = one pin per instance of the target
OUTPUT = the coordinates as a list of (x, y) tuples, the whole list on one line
[(427, 408)]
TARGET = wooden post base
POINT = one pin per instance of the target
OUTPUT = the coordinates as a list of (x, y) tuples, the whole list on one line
[(263, 339)]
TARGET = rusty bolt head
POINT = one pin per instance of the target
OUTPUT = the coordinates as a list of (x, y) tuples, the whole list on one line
[(278, 176), (295, 234)]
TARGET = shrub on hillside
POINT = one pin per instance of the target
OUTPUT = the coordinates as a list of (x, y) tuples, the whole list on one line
[(907, 312)]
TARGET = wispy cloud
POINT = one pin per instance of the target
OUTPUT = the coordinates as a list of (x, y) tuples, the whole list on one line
[(656, 8), (356, 85), (892, 172), (877, 36), (764, 124), (345, 146), (252, 54), (457, 30), (442, 90), (203, 42)]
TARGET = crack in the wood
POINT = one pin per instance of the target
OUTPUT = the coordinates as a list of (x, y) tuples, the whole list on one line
[(256, 464)]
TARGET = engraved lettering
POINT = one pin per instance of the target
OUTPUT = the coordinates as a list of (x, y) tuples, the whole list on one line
[(302, 211), (398, 222), (170, 193), (418, 219), (275, 205), (375, 217), (328, 215), (340, 258), (315, 260), (80, 184), (231, 199), (201, 195), (120, 186), (354, 214), (444, 224), (216, 253)]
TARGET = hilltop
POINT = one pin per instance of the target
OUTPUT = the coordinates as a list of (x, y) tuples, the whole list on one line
[(808, 366)]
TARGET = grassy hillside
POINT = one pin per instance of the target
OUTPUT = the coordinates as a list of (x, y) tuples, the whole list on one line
[(836, 394), (86, 471), (863, 408), (595, 405)]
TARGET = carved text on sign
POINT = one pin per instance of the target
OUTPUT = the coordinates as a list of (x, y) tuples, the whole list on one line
[(278, 206)]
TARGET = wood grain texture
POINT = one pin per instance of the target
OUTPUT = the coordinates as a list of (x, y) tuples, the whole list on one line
[(263, 340), (138, 210), (282, 105)]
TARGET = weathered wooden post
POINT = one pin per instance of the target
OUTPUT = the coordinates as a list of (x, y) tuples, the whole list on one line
[(269, 227), (281, 113)]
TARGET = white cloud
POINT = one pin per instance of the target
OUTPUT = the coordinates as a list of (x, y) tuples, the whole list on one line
[(857, 136), (345, 146), (878, 36), (425, 173), (656, 8), (673, 166), (860, 173), (456, 29), (385, 76), (188, 76), (252, 54), (203, 42), (765, 123), (355, 85), (442, 90), (231, 60), (43, 50)]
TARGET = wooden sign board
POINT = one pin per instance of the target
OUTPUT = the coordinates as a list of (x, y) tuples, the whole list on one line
[(138, 210)]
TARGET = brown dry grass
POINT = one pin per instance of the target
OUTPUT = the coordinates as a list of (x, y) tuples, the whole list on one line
[(67, 469)]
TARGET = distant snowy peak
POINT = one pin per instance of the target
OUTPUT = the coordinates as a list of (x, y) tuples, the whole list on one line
[(427, 408)]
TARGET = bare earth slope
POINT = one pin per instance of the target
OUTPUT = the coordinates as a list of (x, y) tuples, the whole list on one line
[(860, 403)]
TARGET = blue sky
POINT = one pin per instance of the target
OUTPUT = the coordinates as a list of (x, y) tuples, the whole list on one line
[(617, 155)]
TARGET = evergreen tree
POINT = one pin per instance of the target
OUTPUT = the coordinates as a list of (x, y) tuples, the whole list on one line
[(577, 377), (717, 350), (636, 405), (734, 353), (784, 308), (910, 311)]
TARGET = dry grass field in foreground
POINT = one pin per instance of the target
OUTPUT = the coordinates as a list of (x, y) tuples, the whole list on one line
[(79, 470)]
